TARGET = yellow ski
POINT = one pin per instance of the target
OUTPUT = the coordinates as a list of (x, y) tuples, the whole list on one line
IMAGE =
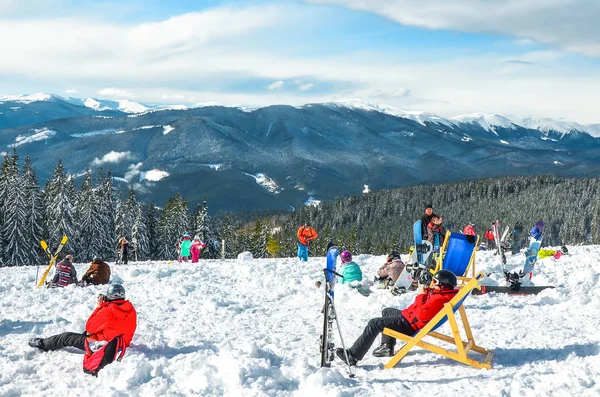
[(52, 257)]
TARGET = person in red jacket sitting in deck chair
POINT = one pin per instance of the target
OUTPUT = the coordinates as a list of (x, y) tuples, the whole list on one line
[(113, 316), (408, 321)]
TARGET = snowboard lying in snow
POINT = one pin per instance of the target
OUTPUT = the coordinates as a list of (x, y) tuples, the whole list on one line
[(523, 290)]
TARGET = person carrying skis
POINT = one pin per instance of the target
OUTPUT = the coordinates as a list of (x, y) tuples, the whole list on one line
[(408, 321), (122, 247), (98, 273), (196, 249), (436, 231), (350, 269), (547, 253), (389, 273), (64, 273), (305, 235), (113, 316), (184, 246)]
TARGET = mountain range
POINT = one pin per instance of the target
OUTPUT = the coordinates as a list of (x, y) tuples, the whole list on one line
[(281, 156)]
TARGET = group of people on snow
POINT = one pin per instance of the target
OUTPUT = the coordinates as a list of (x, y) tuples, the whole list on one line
[(65, 273), (187, 247)]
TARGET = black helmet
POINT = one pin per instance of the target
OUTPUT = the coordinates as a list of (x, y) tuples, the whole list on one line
[(446, 279), (393, 255), (564, 250), (115, 292), (307, 224)]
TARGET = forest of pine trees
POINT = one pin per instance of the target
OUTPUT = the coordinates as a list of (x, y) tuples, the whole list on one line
[(94, 217)]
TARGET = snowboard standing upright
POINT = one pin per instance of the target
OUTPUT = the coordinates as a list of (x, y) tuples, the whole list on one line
[(517, 240), (417, 263)]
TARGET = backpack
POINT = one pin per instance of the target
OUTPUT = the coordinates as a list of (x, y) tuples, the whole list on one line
[(94, 361)]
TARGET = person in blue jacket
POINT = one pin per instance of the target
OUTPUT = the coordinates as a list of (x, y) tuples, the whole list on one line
[(350, 270)]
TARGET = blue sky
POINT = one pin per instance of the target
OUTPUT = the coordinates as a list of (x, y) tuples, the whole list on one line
[(538, 58)]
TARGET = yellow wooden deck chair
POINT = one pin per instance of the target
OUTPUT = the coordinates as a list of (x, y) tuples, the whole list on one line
[(458, 255), (447, 313)]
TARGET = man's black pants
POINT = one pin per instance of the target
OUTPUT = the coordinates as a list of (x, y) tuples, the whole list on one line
[(391, 318), (64, 340)]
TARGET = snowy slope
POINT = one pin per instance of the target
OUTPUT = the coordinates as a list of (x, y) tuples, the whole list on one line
[(252, 329)]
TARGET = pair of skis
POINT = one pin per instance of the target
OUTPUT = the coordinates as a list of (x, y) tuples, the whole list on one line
[(52, 258), (329, 315)]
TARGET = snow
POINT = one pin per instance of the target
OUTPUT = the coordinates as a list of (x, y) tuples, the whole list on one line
[(99, 132), (487, 121), (40, 96), (466, 138), (38, 135), (257, 334), (153, 175), (312, 201), (128, 106), (266, 182), (146, 127), (167, 129), (558, 162), (504, 142), (215, 167), (366, 189), (419, 117)]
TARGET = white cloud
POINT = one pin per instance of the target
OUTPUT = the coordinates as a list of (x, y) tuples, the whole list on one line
[(115, 92), (155, 175), (71, 91), (570, 25), (176, 97), (133, 171), (305, 87), (112, 157), (276, 85)]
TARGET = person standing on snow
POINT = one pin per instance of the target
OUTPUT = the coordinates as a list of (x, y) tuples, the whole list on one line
[(489, 237), (64, 273), (305, 235), (196, 249), (113, 316), (122, 247), (408, 321), (426, 219), (350, 270), (185, 246)]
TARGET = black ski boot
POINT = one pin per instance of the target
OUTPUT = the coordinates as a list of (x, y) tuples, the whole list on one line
[(384, 350), (351, 359)]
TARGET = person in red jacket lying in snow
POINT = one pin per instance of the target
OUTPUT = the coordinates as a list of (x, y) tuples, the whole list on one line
[(113, 316), (408, 321)]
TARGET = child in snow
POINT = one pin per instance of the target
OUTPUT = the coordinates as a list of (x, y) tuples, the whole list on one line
[(408, 321), (113, 316), (350, 270), (389, 273), (196, 249), (435, 231), (547, 253), (184, 247)]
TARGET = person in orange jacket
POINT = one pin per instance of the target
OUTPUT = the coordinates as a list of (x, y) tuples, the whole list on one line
[(305, 235), (408, 321), (113, 316)]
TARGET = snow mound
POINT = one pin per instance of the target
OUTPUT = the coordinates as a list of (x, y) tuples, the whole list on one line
[(38, 135), (167, 129), (245, 256), (128, 106)]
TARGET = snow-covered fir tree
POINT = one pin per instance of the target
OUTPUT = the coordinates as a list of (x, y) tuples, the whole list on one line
[(259, 240), (205, 232), (106, 216), (173, 223), (15, 236), (139, 235), (152, 215), (89, 243), (34, 212), (59, 207)]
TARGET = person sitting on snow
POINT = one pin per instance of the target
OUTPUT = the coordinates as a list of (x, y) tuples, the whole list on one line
[(547, 253), (408, 321), (389, 273), (196, 249), (65, 273), (113, 316), (98, 273), (349, 270)]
